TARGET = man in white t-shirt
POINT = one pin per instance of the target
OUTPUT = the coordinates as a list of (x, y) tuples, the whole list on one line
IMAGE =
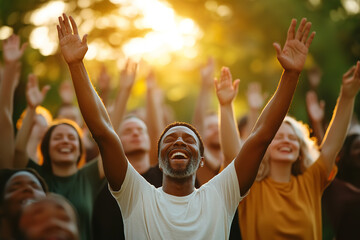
[(178, 210)]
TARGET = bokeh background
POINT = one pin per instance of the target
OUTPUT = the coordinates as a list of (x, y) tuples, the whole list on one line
[(176, 37)]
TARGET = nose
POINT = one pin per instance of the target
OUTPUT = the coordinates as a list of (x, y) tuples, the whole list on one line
[(27, 188), (179, 142)]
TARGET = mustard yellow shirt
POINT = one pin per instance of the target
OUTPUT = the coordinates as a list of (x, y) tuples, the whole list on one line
[(292, 210)]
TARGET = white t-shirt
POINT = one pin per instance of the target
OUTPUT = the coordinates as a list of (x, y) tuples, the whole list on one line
[(206, 213)]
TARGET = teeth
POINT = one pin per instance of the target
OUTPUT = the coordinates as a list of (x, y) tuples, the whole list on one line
[(65, 150), (287, 149), (178, 154)]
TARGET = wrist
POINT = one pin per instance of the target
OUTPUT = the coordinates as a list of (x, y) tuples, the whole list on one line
[(292, 73)]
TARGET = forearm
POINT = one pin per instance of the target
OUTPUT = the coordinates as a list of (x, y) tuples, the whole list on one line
[(269, 121), (91, 106), (7, 89), (99, 124), (229, 134), (337, 130), (22, 139), (119, 110), (318, 128), (155, 123), (202, 105)]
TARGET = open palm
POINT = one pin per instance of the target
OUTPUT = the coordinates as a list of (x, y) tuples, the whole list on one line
[(226, 90), (292, 57), (72, 47)]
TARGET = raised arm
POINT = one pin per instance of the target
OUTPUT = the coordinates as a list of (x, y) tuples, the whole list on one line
[(12, 52), (226, 91), (336, 132), (154, 115), (292, 58), (34, 98), (127, 78), (204, 98), (73, 50), (316, 113), (255, 101)]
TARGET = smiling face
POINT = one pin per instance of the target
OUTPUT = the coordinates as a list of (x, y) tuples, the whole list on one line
[(285, 146), (134, 136), (64, 147), (179, 152), (21, 188)]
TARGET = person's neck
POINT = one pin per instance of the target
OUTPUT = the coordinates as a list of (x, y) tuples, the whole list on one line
[(280, 171), (178, 186), (64, 170), (140, 160)]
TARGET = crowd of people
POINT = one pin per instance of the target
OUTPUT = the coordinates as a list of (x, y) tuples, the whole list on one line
[(96, 171)]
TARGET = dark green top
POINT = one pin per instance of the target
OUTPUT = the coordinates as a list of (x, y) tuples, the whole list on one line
[(80, 189)]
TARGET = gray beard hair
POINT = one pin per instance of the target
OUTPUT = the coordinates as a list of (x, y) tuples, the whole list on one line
[(191, 168)]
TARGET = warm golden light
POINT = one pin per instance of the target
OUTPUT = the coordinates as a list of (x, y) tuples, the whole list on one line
[(351, 6), (5, 32)]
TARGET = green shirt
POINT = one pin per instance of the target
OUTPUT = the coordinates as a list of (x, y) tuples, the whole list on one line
[(80, 189)]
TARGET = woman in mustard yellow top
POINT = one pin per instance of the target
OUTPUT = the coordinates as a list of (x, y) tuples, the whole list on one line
[(285, 201)]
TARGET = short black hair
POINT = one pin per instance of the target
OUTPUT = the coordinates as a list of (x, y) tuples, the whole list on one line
[(184, 124)]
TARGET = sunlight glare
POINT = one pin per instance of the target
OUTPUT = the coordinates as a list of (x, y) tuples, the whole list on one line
[(45, 15), (351, 6), (40, 39), (5, 32)]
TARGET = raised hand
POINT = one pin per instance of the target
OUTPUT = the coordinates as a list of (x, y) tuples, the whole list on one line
[(207, 73), (292, 57), (226, 89), (66, 92), (12, 51), (255, 97), (315, 108), (34, 96), (128, 74), (104, 80), (351, 81), (72, 47)]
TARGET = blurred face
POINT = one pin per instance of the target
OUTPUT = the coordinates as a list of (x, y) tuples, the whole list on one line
[(285, 145), (211, 133), (64, 145), (39, 128), (355, 152), (179, 152), (134, 136), (48, 219), (72, 113), (21, 188)]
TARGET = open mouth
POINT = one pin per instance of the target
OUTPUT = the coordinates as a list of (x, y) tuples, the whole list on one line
[(178, 155), (285, 149)]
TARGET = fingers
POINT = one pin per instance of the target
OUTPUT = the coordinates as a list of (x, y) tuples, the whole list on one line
[(306, 32), (236, 85), (60, 35), (277, 48), (74, 26), (291, 31), (300, 31), (349, 72), (84, 40), (44, 90), (310, 39), (67, 24), (62, 27)]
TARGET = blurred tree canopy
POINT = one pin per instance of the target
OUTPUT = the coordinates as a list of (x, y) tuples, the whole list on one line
[(238, 34)]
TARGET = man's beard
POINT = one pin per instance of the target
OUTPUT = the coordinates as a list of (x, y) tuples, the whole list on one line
[(190, 169)]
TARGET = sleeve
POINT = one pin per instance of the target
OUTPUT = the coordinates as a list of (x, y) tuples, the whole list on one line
[(131, 192), (317, 175), (227, 186)]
